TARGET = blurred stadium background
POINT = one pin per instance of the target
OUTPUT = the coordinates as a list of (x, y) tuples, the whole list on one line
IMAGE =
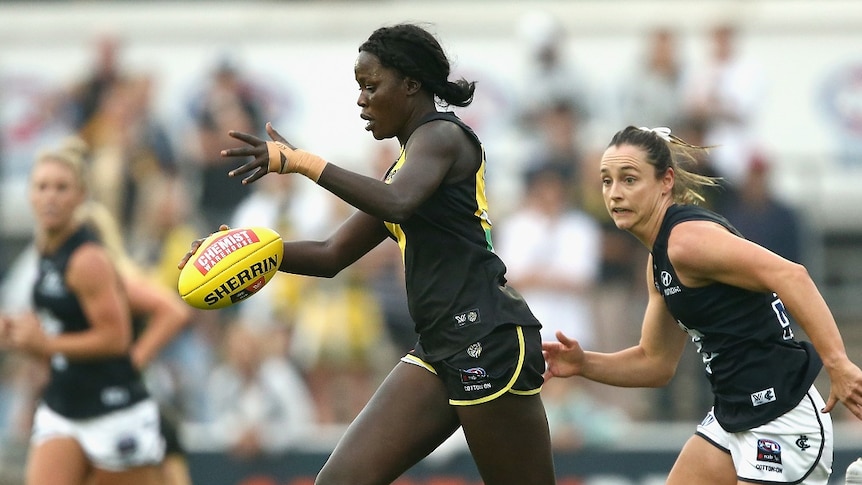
[(796, 120)]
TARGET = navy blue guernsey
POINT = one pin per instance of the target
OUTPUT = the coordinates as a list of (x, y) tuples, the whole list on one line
[(756, 368), (79, 389), (456, 285)]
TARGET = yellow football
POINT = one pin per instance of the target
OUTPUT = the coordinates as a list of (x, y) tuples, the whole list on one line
[(230, 266)]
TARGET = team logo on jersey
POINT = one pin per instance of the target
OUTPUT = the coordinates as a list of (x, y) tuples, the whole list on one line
[(802, 442), (768, 450), (467, 318), (390, 176), (760, 398), (474, 350), (52, 282), (666, 280)]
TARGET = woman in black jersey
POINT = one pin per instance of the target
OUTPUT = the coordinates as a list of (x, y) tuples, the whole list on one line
[(733, 299), (478, 362), (95, 423)]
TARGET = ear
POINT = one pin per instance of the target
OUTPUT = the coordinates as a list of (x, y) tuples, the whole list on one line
[(412, 86), (668, 180)]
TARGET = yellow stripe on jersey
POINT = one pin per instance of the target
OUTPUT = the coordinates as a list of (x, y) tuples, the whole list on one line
[(395, 229), (482, 202)]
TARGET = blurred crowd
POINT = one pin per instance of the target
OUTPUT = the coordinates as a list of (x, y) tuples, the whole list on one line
[(260, 376)]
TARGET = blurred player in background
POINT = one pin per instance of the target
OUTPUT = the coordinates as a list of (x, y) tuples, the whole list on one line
[(733, 298), (478, 362), (95, 422)]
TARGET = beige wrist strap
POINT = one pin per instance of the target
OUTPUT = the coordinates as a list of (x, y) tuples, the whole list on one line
[(283, 159)]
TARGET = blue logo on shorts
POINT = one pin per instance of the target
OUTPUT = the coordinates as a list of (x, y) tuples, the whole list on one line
[(474, 374), (127, 445)]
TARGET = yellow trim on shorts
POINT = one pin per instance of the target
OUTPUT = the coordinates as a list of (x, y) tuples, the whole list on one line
[(412, 359), (511, 383)]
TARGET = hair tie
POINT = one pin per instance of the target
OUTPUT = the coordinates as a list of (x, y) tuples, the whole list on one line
[(662, 132)]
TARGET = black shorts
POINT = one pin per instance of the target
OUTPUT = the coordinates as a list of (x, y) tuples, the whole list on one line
[(508, 360)]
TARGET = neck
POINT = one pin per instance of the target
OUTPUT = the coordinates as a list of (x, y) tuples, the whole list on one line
[(647, 231), (49, 241)]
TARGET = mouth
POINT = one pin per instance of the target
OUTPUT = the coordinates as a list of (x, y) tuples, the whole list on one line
[(369, 122)]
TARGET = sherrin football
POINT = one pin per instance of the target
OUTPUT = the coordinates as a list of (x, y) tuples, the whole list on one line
[(230, 266)]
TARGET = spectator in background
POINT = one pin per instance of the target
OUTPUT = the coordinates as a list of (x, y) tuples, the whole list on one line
[(760, 216), (260, 400), (87, 96), (652, 92), (726, 93), (131, 153), (550, 76), (227, 102)]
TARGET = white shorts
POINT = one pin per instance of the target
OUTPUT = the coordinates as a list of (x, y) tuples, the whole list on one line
[(793, 448), (116, 441)]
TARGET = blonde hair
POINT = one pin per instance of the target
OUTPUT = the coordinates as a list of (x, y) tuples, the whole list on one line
[(72, 152)]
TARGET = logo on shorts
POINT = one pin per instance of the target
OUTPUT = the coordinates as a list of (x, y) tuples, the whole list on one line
[(769, 451), (802, 443), (709, 419), (127, 445), (762, 397), (475, 379), (467, 318), (474, 350)]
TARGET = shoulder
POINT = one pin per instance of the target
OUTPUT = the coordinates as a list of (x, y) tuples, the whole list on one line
[(89, 266), (692, 242), (442, 132)]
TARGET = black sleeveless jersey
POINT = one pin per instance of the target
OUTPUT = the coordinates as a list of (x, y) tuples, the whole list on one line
[(79, 388), (757, 370), (456, 285)]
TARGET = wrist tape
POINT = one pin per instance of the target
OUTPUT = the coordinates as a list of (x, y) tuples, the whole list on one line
[(283, 159)]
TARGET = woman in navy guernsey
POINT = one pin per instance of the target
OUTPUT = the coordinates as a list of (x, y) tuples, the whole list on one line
[(733, 299), (95, 422), (478, 362)]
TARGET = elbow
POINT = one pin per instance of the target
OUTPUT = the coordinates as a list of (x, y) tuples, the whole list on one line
[(399, 212), (661, 375)]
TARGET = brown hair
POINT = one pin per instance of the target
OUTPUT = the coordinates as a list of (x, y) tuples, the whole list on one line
[(663, 154)]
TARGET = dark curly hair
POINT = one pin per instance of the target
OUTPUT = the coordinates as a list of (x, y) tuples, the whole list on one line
[(416, 53)]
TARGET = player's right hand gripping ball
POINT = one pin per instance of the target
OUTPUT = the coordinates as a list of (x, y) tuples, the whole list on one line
[(230, 266)]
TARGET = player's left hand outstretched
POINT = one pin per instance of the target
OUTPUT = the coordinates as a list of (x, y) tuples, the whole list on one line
[(267, 155), (564, 358)]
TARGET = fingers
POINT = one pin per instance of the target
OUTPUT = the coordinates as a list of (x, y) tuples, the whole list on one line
[(259, 164), (195, 245), (830, 403), (566, 341), (275, 135), (247, 138)]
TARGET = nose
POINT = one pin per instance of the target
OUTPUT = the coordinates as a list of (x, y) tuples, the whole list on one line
[(612, 190), (362, 100)]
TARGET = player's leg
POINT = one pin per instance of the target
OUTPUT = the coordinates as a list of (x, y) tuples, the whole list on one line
[(509, 440), (406, 419), (142, 475), (56, 461), (702, 463)]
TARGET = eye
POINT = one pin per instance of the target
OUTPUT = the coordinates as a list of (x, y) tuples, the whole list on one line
[(629, 180), (606, 181)]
